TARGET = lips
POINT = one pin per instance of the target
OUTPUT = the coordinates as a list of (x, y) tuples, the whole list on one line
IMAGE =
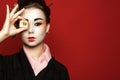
[(31, 39)]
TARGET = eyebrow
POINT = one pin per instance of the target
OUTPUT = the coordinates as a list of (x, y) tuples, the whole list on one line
[(38, 19)]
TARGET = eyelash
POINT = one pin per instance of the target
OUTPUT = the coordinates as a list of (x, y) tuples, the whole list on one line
[(37, 24)]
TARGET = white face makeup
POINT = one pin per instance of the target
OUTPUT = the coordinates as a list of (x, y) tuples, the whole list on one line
[(38, 28)]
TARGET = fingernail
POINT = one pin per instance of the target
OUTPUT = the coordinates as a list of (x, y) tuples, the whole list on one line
[(7, 5)]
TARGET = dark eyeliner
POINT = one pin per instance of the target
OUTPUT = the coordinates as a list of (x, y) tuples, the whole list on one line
[(37, 23)]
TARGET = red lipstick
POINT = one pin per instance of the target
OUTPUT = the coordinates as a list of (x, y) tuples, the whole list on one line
[(31, 39)]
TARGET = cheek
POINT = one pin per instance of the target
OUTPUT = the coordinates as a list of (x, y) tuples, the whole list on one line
[(23, 34), (40, 30)]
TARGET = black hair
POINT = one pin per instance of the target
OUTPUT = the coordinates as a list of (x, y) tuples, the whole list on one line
[(40, 4)]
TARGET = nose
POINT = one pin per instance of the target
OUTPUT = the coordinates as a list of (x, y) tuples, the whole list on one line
[(31, 30)]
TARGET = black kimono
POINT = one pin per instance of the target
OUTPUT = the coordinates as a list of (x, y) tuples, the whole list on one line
[(17, 67)]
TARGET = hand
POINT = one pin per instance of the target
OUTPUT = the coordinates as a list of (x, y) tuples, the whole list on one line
[(9, 28)]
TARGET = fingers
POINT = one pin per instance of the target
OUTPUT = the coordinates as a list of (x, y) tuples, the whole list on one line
[(8, 27), (17, 18), (17, 14), (18, 30), (14, 10)]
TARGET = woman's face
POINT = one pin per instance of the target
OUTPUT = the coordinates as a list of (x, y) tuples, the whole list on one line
[(37, 27)]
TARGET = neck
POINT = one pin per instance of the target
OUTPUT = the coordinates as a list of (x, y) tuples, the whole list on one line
[(36, 51)]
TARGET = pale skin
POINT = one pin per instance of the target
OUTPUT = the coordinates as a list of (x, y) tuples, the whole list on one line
[(38, 27), (35, 48)]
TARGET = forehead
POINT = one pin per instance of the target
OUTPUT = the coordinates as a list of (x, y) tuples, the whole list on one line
[(33, 13)]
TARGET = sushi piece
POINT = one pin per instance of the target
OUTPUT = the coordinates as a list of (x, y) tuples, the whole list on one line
[(23, 23)]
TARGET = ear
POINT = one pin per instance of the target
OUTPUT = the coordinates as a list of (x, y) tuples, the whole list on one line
[(47, 28)]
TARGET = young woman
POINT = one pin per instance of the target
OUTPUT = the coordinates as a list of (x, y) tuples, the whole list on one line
[(34, 61)]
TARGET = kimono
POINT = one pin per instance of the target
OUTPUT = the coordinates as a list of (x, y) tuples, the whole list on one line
[(17, 67)]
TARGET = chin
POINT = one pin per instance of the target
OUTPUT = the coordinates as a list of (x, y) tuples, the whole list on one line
[(32, 45)]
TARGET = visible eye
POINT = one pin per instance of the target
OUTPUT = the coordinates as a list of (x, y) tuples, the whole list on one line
[(37, 24)]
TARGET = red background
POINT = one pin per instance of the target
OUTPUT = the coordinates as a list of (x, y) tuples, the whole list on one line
[(84, 35)]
